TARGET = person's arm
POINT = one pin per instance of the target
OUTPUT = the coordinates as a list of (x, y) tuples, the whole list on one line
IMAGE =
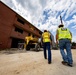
[(57, 37), (41, 40), (71, 36), (50, 37)]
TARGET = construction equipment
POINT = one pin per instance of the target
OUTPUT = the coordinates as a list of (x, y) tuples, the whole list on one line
[(61, 19), (32, 42)]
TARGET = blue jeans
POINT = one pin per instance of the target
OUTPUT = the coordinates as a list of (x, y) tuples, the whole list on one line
[(46, 45), (67, 56)]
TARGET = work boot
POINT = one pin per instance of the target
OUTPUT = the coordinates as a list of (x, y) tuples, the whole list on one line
[(71, 65), (49, 62), (64, 62), (45, 57)]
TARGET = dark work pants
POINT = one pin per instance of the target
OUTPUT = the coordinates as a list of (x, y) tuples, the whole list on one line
[(47, 46), (66, 55)]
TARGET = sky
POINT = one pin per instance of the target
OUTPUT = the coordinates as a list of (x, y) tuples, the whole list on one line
[(45, 14)]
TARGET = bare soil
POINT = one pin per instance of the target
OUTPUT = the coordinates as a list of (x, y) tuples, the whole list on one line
[(21, 62)]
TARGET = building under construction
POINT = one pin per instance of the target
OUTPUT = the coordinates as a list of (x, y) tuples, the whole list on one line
[(14, 28)]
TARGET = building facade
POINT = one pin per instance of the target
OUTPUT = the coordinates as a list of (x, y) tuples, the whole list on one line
[(14, 28)]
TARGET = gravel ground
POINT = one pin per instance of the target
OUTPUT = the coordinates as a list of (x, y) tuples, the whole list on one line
[(21, 62)]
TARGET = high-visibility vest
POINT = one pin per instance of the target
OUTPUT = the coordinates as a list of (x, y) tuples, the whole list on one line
[(46, 37), (64, 33)]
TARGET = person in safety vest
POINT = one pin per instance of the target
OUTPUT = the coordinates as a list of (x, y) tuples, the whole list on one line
[(46, 39), (64, 37)]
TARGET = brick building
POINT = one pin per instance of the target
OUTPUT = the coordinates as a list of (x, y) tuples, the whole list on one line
[(14, 28)]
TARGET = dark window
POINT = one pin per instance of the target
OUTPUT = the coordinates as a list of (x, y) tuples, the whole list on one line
[(29, 34), (33, 36), (18, 30), (40, 33), (19, 20)]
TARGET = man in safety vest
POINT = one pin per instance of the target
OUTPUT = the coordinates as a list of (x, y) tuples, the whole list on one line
[(46, 39), (64, 37)]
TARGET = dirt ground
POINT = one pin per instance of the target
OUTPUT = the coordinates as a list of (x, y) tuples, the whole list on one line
[(23, 62)]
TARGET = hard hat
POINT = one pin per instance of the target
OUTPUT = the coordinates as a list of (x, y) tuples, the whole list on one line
[(61, 25), (45, 30)]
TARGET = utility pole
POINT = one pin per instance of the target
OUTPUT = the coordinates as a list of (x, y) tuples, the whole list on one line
[(61, 19)]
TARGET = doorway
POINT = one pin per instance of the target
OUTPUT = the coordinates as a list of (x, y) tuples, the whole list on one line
[(15, 42)]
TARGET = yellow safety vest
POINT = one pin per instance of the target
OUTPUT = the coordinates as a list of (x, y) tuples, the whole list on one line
[(46, 37), (64, 33)]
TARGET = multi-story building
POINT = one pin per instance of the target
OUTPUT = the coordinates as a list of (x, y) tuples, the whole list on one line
[(14, 28)]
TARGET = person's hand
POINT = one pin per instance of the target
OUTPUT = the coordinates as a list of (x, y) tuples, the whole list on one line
[(51, 42), (41, 44), (56, 42)]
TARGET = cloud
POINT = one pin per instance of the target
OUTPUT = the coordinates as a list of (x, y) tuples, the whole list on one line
[(45, 14), (71, 21), (71, 9), (74, 27)]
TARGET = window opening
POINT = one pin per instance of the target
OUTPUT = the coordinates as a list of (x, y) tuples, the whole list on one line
[(18, 30), (19, 20)]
